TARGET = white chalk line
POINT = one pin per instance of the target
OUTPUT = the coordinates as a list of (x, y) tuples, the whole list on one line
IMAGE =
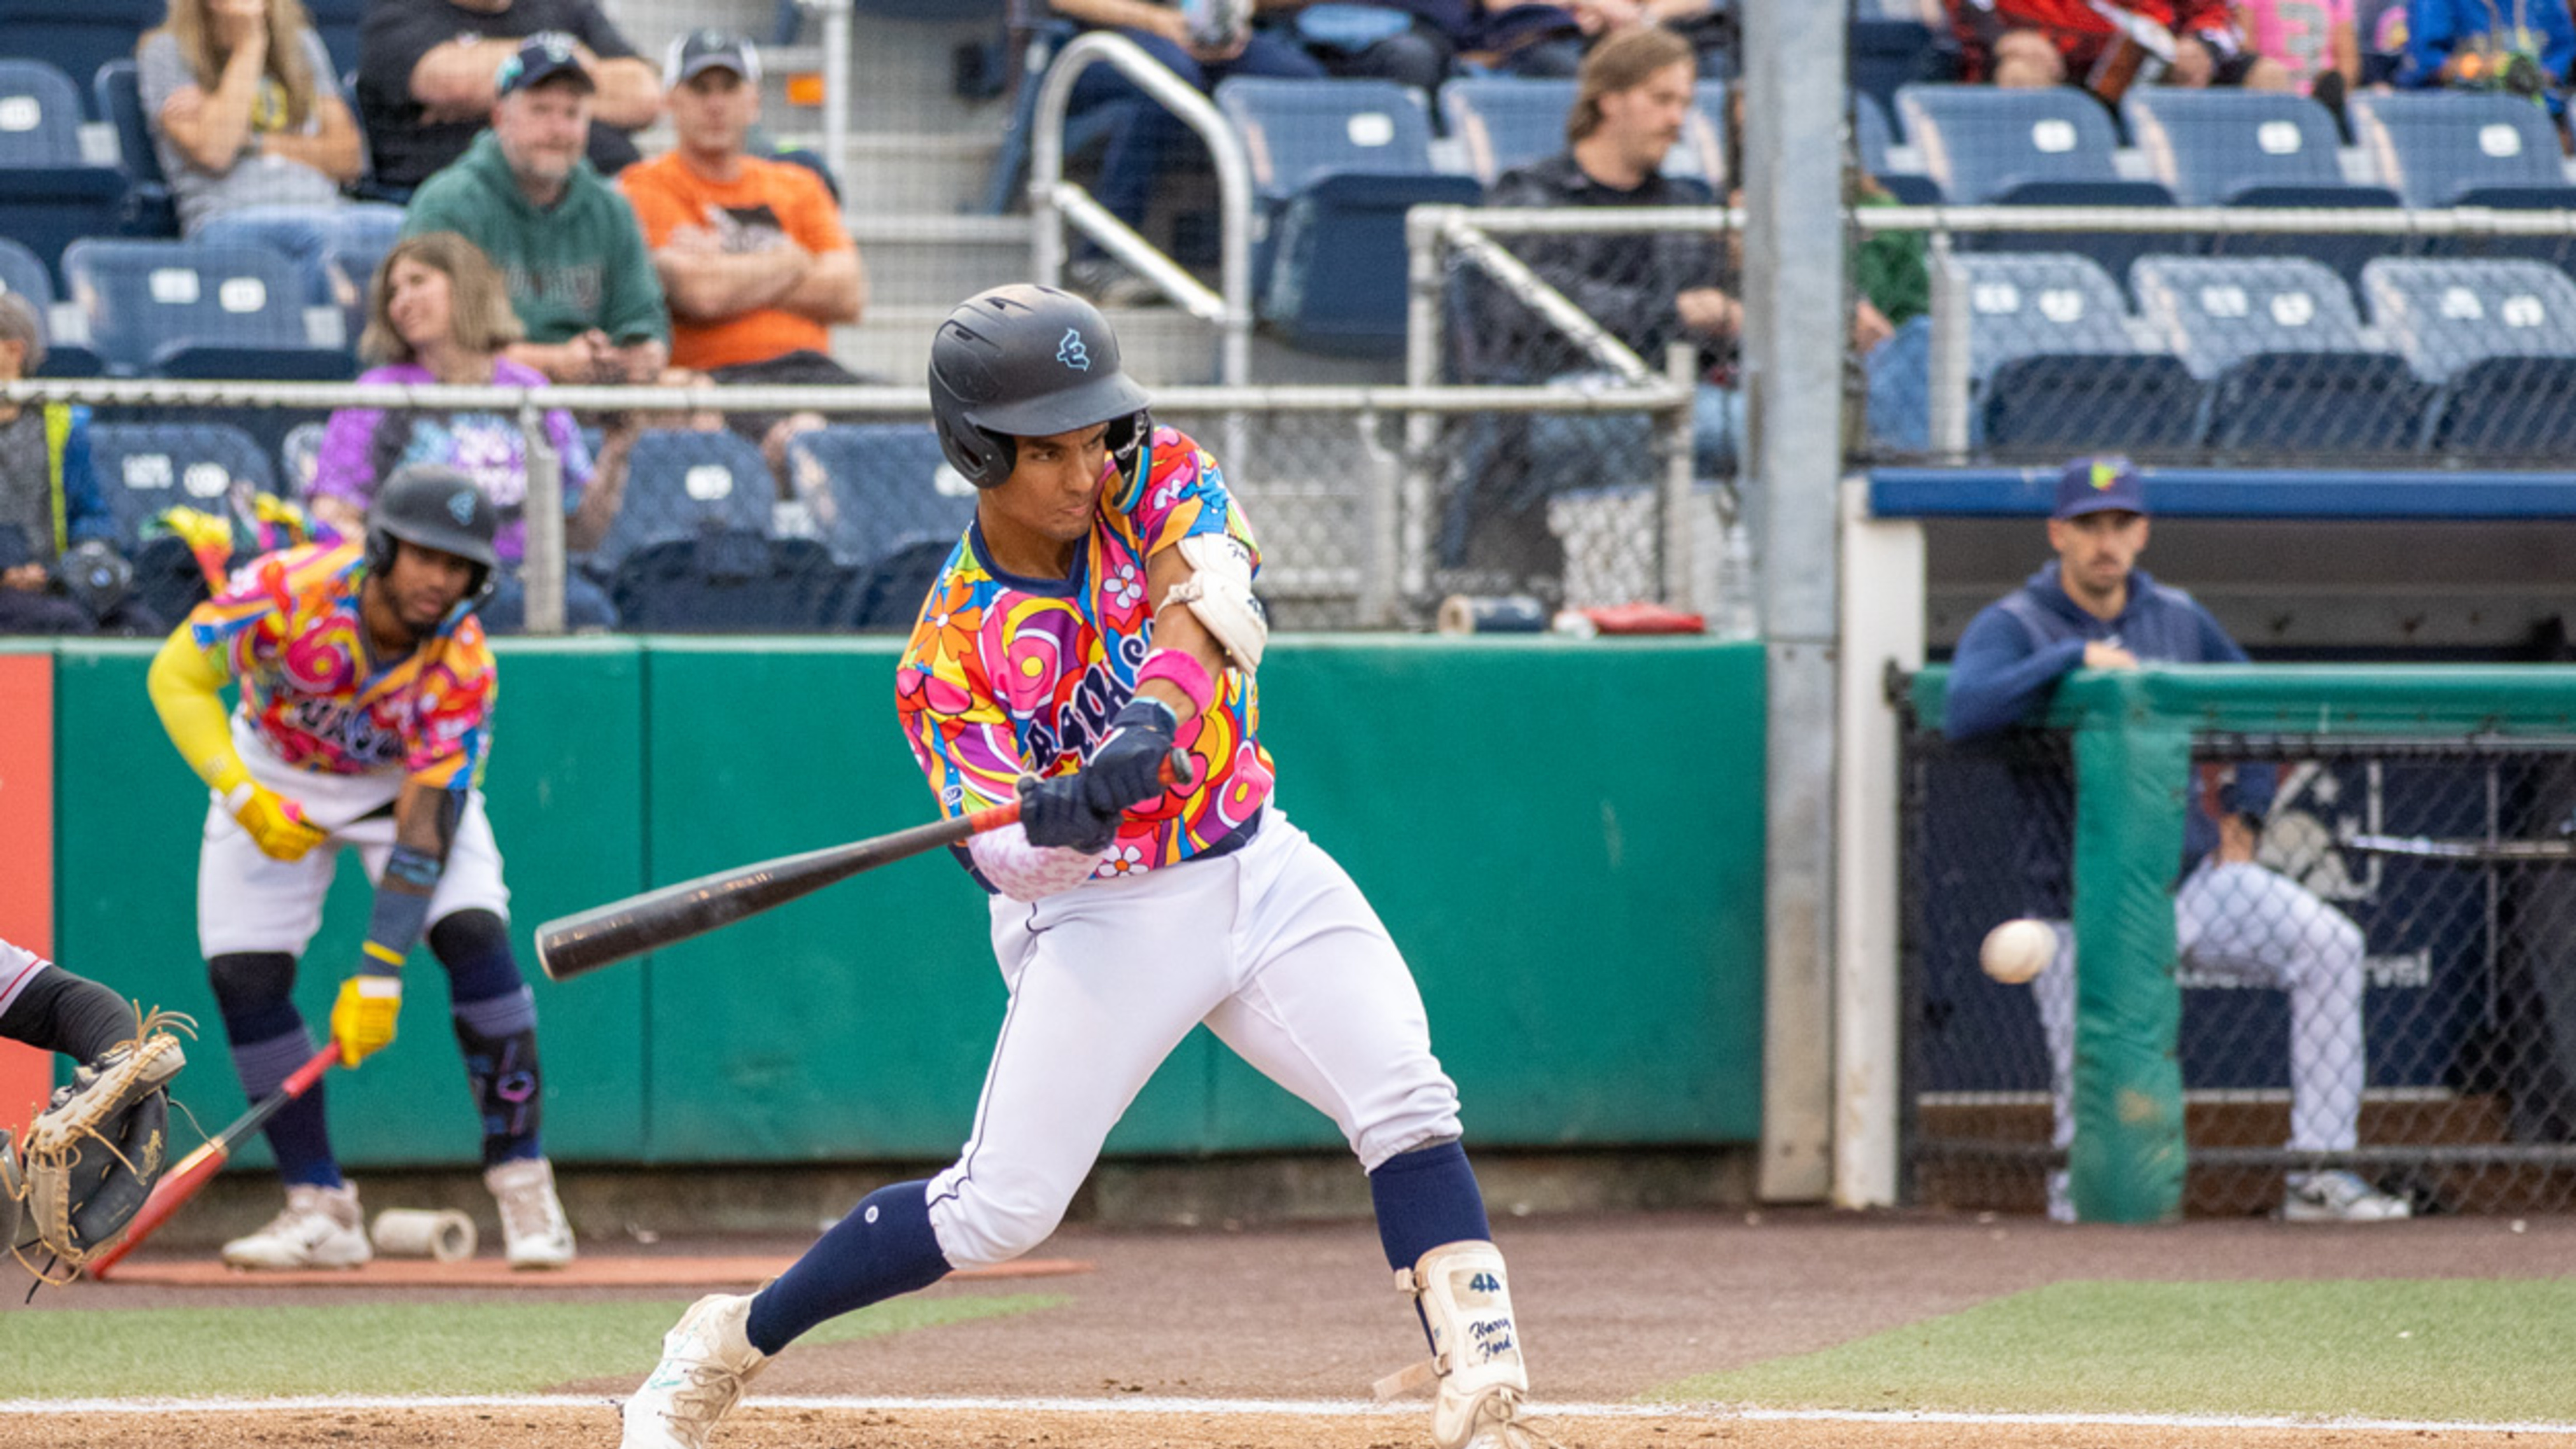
[(1305, 1408)]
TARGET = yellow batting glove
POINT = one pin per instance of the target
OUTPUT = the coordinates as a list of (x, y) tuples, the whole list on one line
[(276, 824), (362, 1020)]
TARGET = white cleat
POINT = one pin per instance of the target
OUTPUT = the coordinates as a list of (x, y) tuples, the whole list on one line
[(2339, 1197), (706, 1360), (532, 1218), (321, 1228)]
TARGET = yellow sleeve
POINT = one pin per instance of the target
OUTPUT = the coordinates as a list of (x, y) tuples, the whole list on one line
[(187, 690)]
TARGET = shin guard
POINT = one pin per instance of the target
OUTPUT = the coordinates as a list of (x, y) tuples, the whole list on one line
[(1465, 1304)]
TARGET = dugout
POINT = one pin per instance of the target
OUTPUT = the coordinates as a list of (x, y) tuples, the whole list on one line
[(2470, 1001)]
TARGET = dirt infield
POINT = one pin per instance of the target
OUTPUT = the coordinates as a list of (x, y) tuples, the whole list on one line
[(808, 1428), (1612, 1308)]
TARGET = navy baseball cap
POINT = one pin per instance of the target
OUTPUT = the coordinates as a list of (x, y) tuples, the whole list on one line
[(701, 50), (2098, 485), (540, 58)]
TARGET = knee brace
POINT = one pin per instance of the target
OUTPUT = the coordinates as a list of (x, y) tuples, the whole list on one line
[(254, 994)]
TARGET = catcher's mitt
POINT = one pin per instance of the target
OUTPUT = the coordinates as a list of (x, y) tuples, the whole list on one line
[(94, 1153)]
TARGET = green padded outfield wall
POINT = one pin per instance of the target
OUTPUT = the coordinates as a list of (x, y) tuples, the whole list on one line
[(1580, 897)]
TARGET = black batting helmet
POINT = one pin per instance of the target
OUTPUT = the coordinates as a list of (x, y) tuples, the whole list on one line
[(433, 506), (1026, 362)]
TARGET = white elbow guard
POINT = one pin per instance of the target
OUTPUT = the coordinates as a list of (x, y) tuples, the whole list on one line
[(1219, 591)]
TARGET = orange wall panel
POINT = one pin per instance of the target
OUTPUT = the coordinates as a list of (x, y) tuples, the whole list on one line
[(26, 854)]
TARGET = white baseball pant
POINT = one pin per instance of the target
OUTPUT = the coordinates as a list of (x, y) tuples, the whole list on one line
[(247, 901), (1273, 947), (2242, 922)]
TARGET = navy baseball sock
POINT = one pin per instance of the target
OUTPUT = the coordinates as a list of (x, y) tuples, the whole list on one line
[(496, 1029), (270, 1041), (1425, 1198), (884, 1247)]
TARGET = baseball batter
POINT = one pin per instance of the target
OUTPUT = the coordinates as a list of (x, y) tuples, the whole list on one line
[(365, 721), (2093, 608), (1097, 616)]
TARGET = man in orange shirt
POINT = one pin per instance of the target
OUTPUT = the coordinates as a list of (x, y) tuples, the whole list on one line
[(751, 252)]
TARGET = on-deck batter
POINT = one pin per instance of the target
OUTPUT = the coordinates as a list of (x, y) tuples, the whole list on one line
[(1097, 614), (365, 720)]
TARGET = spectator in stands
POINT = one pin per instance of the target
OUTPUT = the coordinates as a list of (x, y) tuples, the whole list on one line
[(2522, 47), (440, 312), (1141, 133), (2038, 43), (426, 73), (580, 276), (2312, 41), (2380, 28), (48, 494), (2093, 608), (751, 252), (1420, 42), (255, 140)]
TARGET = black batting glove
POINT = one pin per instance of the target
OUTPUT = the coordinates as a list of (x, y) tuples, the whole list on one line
[(1127, 769), (1057, 812)]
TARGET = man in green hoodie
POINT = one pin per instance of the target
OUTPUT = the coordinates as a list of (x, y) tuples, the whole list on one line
[(580, 276)]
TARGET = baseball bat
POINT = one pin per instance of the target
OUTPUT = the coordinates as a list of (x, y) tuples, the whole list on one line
[(198, 1168), (579, 944)]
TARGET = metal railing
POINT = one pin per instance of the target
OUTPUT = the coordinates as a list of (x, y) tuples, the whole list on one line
[(1055, 202)]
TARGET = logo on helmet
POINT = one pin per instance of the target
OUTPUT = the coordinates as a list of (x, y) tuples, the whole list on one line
[(460, 506), (1072, 353)]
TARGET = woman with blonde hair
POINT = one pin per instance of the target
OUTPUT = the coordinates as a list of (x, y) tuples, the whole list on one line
[(256, 141), (440, 313)]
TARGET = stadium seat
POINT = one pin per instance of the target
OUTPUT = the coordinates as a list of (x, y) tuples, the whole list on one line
[(144, 468), (2214, 312), (2501, 335), (2347, 253), (23, 272), (2444, 316), (2442, 148), (186, 309), (2113, 251), (2052, 355), (1505, 121), (1335, 165), (680, 485), (2290, 366), (887, 596), (49, 195), (726, 581), (2511, 408), (1873, 136), (2208, 145), (336, 21), (1888, 54), (1979, 143), (2022, 305), (149, 211), (2053, 404), (877, 488), (78, 38)]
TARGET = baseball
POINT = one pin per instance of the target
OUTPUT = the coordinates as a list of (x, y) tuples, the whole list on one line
[(2016, 951)]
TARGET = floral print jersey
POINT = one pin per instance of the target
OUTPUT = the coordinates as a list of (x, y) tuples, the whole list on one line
[(1008, 675), (288, 628)]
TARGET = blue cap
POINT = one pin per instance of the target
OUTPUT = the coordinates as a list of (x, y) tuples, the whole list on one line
[(541, 57), (2097, 485)]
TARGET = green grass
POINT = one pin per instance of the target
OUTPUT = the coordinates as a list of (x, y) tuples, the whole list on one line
[(384, 1348), (2479, 1351)]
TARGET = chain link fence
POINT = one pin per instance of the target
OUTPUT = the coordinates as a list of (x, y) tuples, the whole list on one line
[(2386, 989), (750, 510), (2233, 337)]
